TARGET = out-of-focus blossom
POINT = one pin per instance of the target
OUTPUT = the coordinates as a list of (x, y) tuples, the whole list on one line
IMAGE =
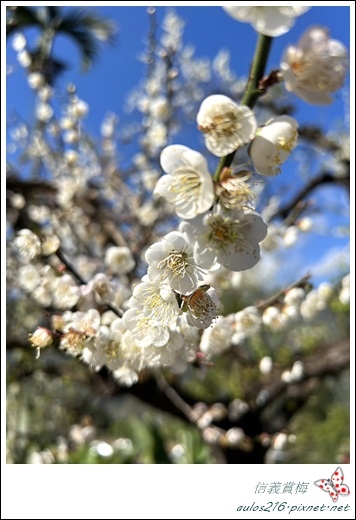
[(266, 365), (28, 277), (344, 294), (41, 338), (35, 80), (316, 67), (290, 236), (305, 224), (271, 21), (297, 371), (273, 318), (248, 321), (44, 112), (119, 259), (27, 244), (216, 339), (102, 287), (294, 296), (78, 109), (24, 58), (18, 42), (65, 292)]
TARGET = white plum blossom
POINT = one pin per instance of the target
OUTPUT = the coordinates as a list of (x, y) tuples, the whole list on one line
[(325, 291), (159, 107), (234, 192), (273, 318), (64, 292), (188, 184), (156, 136), (24, 58), (201, 307), (315, 67), (216, 339), (290, 236), (291, 312), (87, 323), (218, 238), (145, 330), (271, 21), (29, 277), (102, 287), (225, 124), (125, 375), (119, 259), (344, 294), (280, 441), (305, 224), (273, 144), (35, 80), (147, 214), (27, 244), (71, 157), (159, 303), (41, 338), (171, 261), (78, 109), (266, 365), (18, 42), (297, 371), (44, 112), (44, 94), (42, 296), (294, 296), (50, 245), (248, 321)]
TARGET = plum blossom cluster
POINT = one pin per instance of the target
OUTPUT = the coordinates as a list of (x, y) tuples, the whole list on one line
[(165, 317)]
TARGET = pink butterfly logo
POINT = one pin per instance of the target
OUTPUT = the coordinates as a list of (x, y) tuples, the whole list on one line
[(334, 486)]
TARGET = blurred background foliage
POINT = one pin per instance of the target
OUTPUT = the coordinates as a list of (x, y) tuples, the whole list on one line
[(59, 412)]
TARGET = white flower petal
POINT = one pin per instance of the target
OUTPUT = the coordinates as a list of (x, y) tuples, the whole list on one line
[(225, 124), (273, 144), (315, 67), (271, 21)]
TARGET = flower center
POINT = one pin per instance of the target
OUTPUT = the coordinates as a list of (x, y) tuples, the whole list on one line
[(228, 235), (159, 309), (223, 232), (221, 125), (288, 143), (236, 194), (174, 265), (200, 304), (186, 183)]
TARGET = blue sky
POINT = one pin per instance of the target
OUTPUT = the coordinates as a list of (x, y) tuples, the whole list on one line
[(209, 29)]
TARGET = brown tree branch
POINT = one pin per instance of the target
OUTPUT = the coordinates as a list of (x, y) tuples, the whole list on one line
[(323, 178)]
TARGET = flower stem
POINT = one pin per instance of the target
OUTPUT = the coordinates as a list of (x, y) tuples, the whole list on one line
[(252, 91)]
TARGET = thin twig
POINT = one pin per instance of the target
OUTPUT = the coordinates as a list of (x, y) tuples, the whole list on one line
[(174, 397), (81, 280), (70, 267), (275, 298), (323, 178)]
